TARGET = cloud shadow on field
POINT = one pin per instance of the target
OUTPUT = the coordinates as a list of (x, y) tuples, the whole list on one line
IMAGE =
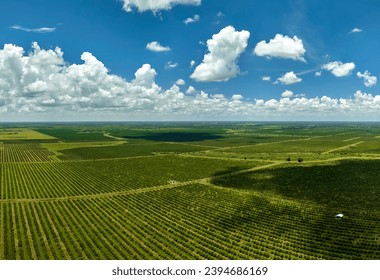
[(296, 207), (350, 184)]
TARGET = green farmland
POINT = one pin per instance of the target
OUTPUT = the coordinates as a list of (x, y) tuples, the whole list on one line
[(190, 191)]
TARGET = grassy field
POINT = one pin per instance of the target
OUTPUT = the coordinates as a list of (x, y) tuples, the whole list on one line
[(22, 134), (190, 191)]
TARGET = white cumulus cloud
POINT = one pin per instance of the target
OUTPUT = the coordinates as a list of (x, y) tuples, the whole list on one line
[(156, 47), (220, 64), (266, 78), (287, 94), (180, 82), (190, 90), (193, 19), (156, 5), (369, 80), (41, 81), (281, 47), (339, 69), (145, 76), (289, 78), (42, 84)]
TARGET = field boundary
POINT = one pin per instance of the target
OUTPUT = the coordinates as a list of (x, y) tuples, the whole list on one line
[(114, 137), (342, 148), (224, 158), (351, 139)]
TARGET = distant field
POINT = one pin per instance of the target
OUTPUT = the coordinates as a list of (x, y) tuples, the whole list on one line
[(74, 134), (127, 150), (190, 191), (22, 134)]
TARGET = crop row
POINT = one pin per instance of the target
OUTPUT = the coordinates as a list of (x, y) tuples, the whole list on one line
[(229, 221), (23, 181), (262, 225), (61, 179), (94, 230), (192, 222), (83, 230), (25, 153)]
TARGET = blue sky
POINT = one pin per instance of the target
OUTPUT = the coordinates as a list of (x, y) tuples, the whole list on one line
[(322, 64)]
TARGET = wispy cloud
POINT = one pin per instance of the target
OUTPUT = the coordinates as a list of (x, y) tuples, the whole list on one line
[(170, 65), (34, 30), (195, 18), (308, 71)]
